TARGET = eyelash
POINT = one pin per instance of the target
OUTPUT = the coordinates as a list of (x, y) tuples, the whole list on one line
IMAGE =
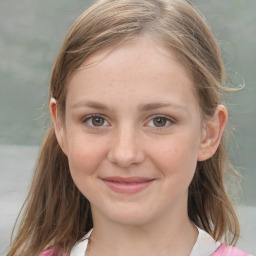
[(89, 118), (168, 120)]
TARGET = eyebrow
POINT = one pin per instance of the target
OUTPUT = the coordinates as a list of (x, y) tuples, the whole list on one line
[(157, 105), (90, 104), (141, 108)]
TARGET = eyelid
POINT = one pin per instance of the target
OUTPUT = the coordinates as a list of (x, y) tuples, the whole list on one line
[(86, 118), (168, 119)]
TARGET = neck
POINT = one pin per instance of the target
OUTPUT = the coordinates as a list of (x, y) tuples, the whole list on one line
[(175, 237)]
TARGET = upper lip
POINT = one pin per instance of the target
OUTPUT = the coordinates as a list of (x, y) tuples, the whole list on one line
[(133, 179)]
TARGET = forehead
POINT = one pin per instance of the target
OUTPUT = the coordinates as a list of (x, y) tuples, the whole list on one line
[(141, 66), (128, 46)]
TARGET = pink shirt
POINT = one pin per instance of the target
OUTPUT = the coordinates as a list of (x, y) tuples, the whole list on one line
[(228, 251), (223, 250), (204, 246)]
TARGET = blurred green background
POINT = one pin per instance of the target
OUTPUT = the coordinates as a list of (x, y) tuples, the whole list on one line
[(33, 31)]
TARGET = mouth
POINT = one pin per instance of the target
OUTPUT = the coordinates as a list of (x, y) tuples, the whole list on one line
[(127, 185)]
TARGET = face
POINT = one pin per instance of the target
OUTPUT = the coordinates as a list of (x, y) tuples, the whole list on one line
[(133, 133)]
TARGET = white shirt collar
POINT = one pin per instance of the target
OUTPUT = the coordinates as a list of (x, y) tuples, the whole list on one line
[(80, 247), (205, 245)]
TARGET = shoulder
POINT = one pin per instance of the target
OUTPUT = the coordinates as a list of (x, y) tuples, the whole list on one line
[(225, 250), (51, 252)]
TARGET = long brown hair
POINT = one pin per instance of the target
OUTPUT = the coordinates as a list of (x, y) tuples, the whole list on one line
[(56, 214)]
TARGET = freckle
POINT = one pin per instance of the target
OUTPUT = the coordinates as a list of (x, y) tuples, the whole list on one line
[(110, 84)]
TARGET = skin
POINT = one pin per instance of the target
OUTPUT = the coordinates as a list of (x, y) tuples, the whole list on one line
[(129, 89)]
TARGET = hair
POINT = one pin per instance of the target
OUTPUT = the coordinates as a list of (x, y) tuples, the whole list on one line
[(55, 213)]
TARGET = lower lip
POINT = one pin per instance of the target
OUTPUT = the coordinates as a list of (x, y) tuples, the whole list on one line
[(128, 188)]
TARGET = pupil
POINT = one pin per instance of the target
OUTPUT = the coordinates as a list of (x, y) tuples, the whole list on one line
[(97, 121), (160, 121)]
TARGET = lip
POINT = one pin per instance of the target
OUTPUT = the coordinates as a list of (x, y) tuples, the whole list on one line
[(127, 185)]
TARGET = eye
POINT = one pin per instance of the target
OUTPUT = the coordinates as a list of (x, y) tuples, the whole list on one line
[(95, 121), (160, 122)]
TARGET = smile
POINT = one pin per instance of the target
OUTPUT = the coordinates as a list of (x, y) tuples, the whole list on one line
[(127, 185)]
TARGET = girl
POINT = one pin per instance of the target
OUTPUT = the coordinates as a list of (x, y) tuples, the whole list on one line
[(134, 162)]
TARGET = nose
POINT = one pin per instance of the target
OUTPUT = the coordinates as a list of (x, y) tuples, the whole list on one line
[(125, 149)]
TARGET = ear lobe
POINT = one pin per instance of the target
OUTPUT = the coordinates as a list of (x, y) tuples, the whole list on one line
[(58, 127), (212, 133)]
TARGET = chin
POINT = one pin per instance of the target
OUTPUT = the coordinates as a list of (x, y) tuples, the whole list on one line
[(131, 217)]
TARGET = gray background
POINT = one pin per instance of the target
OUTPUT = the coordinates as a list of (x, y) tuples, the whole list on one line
[(31, 33)]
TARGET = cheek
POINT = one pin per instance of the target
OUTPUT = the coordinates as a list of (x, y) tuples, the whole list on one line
[(177, 157), (85, 154)]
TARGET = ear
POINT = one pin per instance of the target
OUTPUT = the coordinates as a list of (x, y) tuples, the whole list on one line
[(212, 133), (58, 124)]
